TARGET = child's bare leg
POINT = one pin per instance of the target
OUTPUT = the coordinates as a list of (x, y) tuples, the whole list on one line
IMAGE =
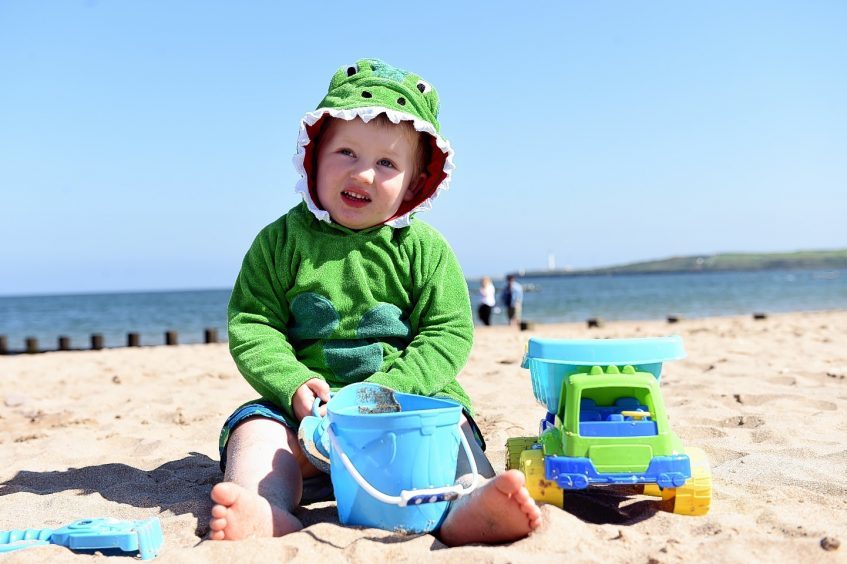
[(262, 484), (499, 510)]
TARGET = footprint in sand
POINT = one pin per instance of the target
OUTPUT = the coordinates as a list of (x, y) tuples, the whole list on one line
[(698, 432), (785, 400), (768, 436), (746, 421), (718, 456), (30, 437), (783, 381)]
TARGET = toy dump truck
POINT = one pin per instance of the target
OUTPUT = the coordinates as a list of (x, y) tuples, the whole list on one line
[(606, 424)]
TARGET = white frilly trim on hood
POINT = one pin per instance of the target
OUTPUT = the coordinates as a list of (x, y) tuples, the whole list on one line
[(367, 114)]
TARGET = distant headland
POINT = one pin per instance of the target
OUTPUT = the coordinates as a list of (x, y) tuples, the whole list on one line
[(721, 262)]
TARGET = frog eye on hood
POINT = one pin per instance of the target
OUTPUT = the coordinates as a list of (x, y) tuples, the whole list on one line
[(423, 86), (352, 69)]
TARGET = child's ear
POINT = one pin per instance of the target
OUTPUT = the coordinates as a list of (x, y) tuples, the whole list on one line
[(415, 187)]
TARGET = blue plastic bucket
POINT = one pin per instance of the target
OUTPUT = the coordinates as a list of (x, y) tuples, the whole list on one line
[(395, 470)]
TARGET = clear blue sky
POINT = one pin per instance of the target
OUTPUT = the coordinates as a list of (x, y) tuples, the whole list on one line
[(144, 144)]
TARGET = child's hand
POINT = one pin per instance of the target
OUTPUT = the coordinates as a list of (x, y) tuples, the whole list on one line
[(305, 396)]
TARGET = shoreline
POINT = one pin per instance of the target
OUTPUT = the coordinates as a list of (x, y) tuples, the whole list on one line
[(677, 318), (131, 433)]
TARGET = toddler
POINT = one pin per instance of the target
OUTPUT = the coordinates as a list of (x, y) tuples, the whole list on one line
[(348, 287)]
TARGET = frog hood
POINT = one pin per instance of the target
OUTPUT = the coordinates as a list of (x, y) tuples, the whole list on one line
[(366, 89)]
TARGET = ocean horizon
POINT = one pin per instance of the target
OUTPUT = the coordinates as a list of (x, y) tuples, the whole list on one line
[(189, 313)]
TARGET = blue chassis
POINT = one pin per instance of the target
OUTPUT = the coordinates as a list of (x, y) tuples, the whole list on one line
[(577, 473)]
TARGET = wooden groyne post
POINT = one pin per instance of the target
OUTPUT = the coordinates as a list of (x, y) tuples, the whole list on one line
[(133, 339), (210, 335)]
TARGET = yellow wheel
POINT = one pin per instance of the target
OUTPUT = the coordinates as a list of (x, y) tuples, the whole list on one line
[(655, 491), (693, 497), (541, 489), (652, 490), (514, 447)]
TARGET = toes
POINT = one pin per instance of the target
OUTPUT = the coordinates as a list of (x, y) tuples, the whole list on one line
[(518, 477), (533, 513), (219, 511), (510, 483), (522, 496), (225, 493), (217, 524)]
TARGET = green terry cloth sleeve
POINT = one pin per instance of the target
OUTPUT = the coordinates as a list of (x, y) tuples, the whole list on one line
[(442, 325), (258, 318)]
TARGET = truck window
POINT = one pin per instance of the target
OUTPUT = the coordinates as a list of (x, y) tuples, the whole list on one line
[(616, 412)]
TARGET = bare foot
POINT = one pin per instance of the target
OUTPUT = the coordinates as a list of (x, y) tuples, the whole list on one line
[(501, 510), (239, 513)]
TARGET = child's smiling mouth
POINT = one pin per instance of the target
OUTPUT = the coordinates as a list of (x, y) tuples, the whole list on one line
[(355, 198)]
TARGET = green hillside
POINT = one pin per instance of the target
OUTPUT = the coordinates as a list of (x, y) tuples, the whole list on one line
[(721, 262)]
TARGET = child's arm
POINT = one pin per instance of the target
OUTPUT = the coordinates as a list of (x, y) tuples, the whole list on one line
[(442, 324), (258, 319)]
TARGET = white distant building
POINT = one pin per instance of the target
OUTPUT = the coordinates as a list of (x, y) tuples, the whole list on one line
[(551, 261)]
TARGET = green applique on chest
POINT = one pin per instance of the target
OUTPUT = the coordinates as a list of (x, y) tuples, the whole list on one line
[(351, 358)]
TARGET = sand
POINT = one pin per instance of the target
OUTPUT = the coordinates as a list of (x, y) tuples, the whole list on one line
[(132, 434)]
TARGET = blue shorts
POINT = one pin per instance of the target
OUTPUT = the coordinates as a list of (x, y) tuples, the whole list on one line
[(266, 409)]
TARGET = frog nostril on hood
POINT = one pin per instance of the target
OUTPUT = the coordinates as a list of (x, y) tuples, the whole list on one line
[(366, 94), (401, 101)]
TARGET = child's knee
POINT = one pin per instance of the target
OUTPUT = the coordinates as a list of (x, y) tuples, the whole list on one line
[(261, 429)]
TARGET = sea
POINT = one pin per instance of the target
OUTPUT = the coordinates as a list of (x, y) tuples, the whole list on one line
[(546, 300)]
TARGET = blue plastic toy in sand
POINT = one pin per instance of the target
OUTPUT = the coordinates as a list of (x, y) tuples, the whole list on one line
[(393, 457), (550, 360), (144, 536)]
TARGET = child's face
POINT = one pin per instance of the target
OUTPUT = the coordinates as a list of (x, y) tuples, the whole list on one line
[(365, 171)]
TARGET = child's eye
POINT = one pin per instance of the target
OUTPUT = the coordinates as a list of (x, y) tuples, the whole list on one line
[(385, 162), (347, 152)]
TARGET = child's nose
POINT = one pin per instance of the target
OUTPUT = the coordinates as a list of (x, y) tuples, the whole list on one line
[(365, 175)]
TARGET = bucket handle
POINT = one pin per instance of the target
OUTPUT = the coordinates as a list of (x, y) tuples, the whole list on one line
[(411, 497)]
